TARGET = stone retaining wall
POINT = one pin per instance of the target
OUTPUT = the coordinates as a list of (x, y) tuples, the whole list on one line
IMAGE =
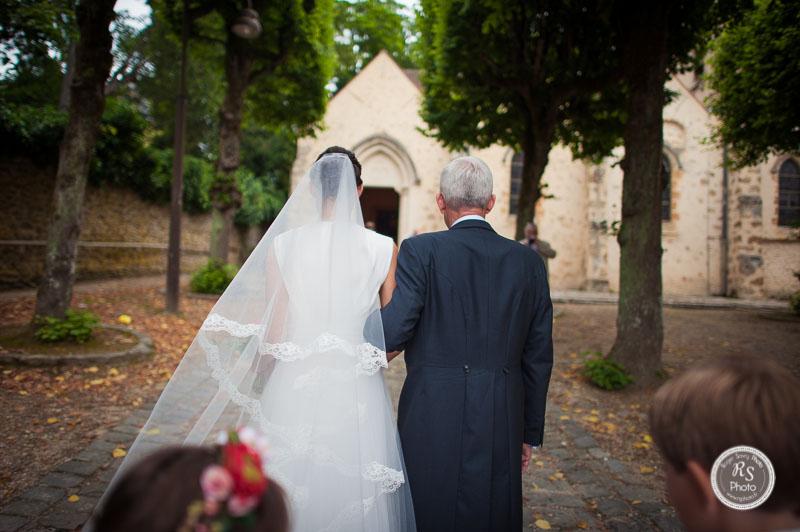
[(121, 234)]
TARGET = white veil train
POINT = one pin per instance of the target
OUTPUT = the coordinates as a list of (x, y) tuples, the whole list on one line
[(294, 347)]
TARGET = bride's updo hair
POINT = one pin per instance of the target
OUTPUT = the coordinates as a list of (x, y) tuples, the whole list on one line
[(353, 159)]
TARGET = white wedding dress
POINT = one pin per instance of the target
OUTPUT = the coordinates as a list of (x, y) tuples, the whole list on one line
[(294, 347)]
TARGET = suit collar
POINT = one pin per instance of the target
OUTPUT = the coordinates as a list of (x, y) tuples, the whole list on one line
[(472, 224)]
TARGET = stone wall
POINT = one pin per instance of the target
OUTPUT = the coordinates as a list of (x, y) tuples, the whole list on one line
[(121, 234), (763, 255)]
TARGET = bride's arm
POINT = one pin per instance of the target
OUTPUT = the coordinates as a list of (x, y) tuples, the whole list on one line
[(387, 289), (389, 284)]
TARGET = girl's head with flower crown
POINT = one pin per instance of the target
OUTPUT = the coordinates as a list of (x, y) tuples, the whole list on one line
[(198, 489)]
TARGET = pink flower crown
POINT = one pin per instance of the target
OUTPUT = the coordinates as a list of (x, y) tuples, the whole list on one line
[(231, 488)]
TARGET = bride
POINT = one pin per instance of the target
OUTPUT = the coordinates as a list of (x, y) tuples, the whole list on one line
[(294, 347)]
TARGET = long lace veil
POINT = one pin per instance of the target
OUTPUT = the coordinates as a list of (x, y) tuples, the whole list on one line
[(294, 347)]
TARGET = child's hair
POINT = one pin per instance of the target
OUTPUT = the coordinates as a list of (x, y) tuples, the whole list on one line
[(728, 402), (154, 495)]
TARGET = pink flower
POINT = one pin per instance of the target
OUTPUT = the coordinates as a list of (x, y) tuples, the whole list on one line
[(239, 505), (216, 483)]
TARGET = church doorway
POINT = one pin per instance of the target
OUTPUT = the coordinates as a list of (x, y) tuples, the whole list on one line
[(381, 207)]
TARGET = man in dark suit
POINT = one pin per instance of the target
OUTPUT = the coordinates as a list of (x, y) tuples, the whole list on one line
[(472, 311)]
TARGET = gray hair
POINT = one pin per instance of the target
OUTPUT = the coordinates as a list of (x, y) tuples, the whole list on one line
[(466, 182)]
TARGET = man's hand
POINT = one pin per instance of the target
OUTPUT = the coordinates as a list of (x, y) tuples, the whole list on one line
[(527, 452)]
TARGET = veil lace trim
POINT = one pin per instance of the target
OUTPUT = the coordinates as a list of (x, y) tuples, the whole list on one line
[(298, 439), (370, 359)]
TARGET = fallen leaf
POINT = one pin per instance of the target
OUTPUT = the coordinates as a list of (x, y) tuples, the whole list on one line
[(641, 445), (92, 369), (636, 501), (73, 498), (52, 420), (564, 417), (23, 392), (153, 432), (124, 319), (646, 470), (119, 452), (543, 524), (647, 438), (591, 419), (583, 524)]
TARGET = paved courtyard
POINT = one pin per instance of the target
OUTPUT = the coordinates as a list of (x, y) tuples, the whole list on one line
[(596, 470)]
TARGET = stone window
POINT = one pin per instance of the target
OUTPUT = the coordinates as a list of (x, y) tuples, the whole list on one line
[(516, 182), (789, 193), (666, 189)]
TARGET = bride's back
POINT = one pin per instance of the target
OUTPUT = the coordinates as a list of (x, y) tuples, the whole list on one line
[(332, 272)]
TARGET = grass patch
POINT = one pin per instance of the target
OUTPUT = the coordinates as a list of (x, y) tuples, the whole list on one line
[(21, 339), (604, 373)]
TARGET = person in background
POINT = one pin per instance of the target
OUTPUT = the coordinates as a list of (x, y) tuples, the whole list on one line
[(193, 488), (539, 246), (729, 402)]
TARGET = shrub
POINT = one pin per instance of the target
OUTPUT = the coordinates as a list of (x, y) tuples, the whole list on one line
[(76, 326), (213, 278), (794, 302), (31, 130), (605, 373)]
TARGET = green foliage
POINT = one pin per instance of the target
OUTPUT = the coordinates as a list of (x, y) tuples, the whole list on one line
[(794, 302), (77, 326), (488, 80), (262, 198), (31, 30), (124, 158), (213, 278), (157, 87), (32, 130), (121, 154), (293, 62), (605, 373), (754, 76), (364, 28)]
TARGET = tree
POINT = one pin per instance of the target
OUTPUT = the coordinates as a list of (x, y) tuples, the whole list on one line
[(656, 39), (364, 28), (86, 102), (755, 67), (277, 79), (522, 74)]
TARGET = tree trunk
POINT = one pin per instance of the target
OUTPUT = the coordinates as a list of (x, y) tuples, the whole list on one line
[(86, 103), (66, 82), (536, 147), (225, 196), (639, 320)]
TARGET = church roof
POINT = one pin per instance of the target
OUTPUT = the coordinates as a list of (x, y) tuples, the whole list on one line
[(413, 75)]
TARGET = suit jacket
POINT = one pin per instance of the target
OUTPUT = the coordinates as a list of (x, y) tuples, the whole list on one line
[(472, 311)]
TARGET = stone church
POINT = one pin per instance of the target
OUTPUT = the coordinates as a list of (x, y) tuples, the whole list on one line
[(724, 232)]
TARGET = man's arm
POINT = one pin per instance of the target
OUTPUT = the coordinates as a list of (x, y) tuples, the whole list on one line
[(401, 315), (546, 250), (537, 358)]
